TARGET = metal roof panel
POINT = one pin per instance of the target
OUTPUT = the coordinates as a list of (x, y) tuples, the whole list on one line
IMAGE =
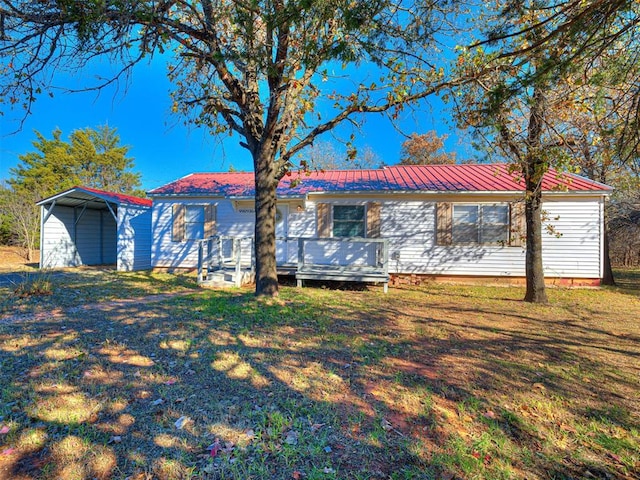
[(398, 178), (80, 195)]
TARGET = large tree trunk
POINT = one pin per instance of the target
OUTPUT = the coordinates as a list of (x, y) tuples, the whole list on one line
[(607, 274), (536, 292), (533, 172), (265, 231)]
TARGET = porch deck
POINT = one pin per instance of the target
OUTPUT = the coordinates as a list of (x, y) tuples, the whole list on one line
[(331, 259)]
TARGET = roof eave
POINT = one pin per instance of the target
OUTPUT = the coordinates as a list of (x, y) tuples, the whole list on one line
[(385, 192), (95, 195), (460, 192)]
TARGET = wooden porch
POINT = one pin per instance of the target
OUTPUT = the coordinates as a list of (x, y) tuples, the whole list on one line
[(230, 261)]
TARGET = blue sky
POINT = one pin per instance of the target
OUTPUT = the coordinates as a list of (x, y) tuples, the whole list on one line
[(162, 147)]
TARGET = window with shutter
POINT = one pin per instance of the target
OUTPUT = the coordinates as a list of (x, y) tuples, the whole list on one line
[(349, 220), (178, 223), (193, 222)]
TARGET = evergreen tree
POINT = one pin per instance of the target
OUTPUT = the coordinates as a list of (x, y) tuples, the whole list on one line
[(92, 158)]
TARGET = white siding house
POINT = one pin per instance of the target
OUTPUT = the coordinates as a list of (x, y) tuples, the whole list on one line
[(85, 226), (453, 220)]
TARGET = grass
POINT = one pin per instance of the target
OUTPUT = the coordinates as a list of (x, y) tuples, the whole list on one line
[(431, 382)]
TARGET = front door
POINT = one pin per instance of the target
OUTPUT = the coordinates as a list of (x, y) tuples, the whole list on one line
[(282, 232)]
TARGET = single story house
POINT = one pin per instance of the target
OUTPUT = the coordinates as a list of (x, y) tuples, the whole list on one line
[(437, 220), (86, 226)]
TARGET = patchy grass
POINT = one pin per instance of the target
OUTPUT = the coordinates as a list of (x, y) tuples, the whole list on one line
[(32, 284), (437, 382), (32, 292)]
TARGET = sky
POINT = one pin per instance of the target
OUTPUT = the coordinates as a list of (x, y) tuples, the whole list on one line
[(162, 147)]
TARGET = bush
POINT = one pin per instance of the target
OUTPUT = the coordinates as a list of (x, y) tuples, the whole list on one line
[(33, 285)]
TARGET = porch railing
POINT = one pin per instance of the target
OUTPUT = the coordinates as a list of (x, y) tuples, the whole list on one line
[(342, 259), (225, 253)]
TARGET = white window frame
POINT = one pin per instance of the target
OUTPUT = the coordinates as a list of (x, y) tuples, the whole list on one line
[(189, 226), (480, 224), (363, 221)]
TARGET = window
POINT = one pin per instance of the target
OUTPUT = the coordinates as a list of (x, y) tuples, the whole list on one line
[(480, 224), (349, 220), (194, 222)]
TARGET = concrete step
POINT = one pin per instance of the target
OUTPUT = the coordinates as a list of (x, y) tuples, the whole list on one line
[(226, 279)]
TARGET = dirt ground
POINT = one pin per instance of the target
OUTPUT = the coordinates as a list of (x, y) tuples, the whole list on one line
[(14, 259)]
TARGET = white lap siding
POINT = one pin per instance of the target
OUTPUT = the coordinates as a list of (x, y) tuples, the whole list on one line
[(230, 221), (58, 248), (134, 238), (571, 249), (571, 246)]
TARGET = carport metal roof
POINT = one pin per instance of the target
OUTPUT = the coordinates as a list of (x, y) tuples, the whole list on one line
[(91, 198)]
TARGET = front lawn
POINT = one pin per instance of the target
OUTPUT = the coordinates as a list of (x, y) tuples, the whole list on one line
[(100, 380)]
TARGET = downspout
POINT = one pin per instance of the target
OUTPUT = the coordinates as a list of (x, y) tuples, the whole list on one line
[(76, 256)]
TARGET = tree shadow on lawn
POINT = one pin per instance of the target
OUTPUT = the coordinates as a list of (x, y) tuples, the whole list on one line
[(82, 287), (365, 389), (93, 383)]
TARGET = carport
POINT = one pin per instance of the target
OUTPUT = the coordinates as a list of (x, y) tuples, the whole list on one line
[(86, 226)]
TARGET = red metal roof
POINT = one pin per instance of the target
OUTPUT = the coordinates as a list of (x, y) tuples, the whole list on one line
[(117, 198), (399, 178)]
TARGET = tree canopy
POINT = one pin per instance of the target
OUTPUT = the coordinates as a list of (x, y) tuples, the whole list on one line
[(268, 70), (426, 149), (91, 158)]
